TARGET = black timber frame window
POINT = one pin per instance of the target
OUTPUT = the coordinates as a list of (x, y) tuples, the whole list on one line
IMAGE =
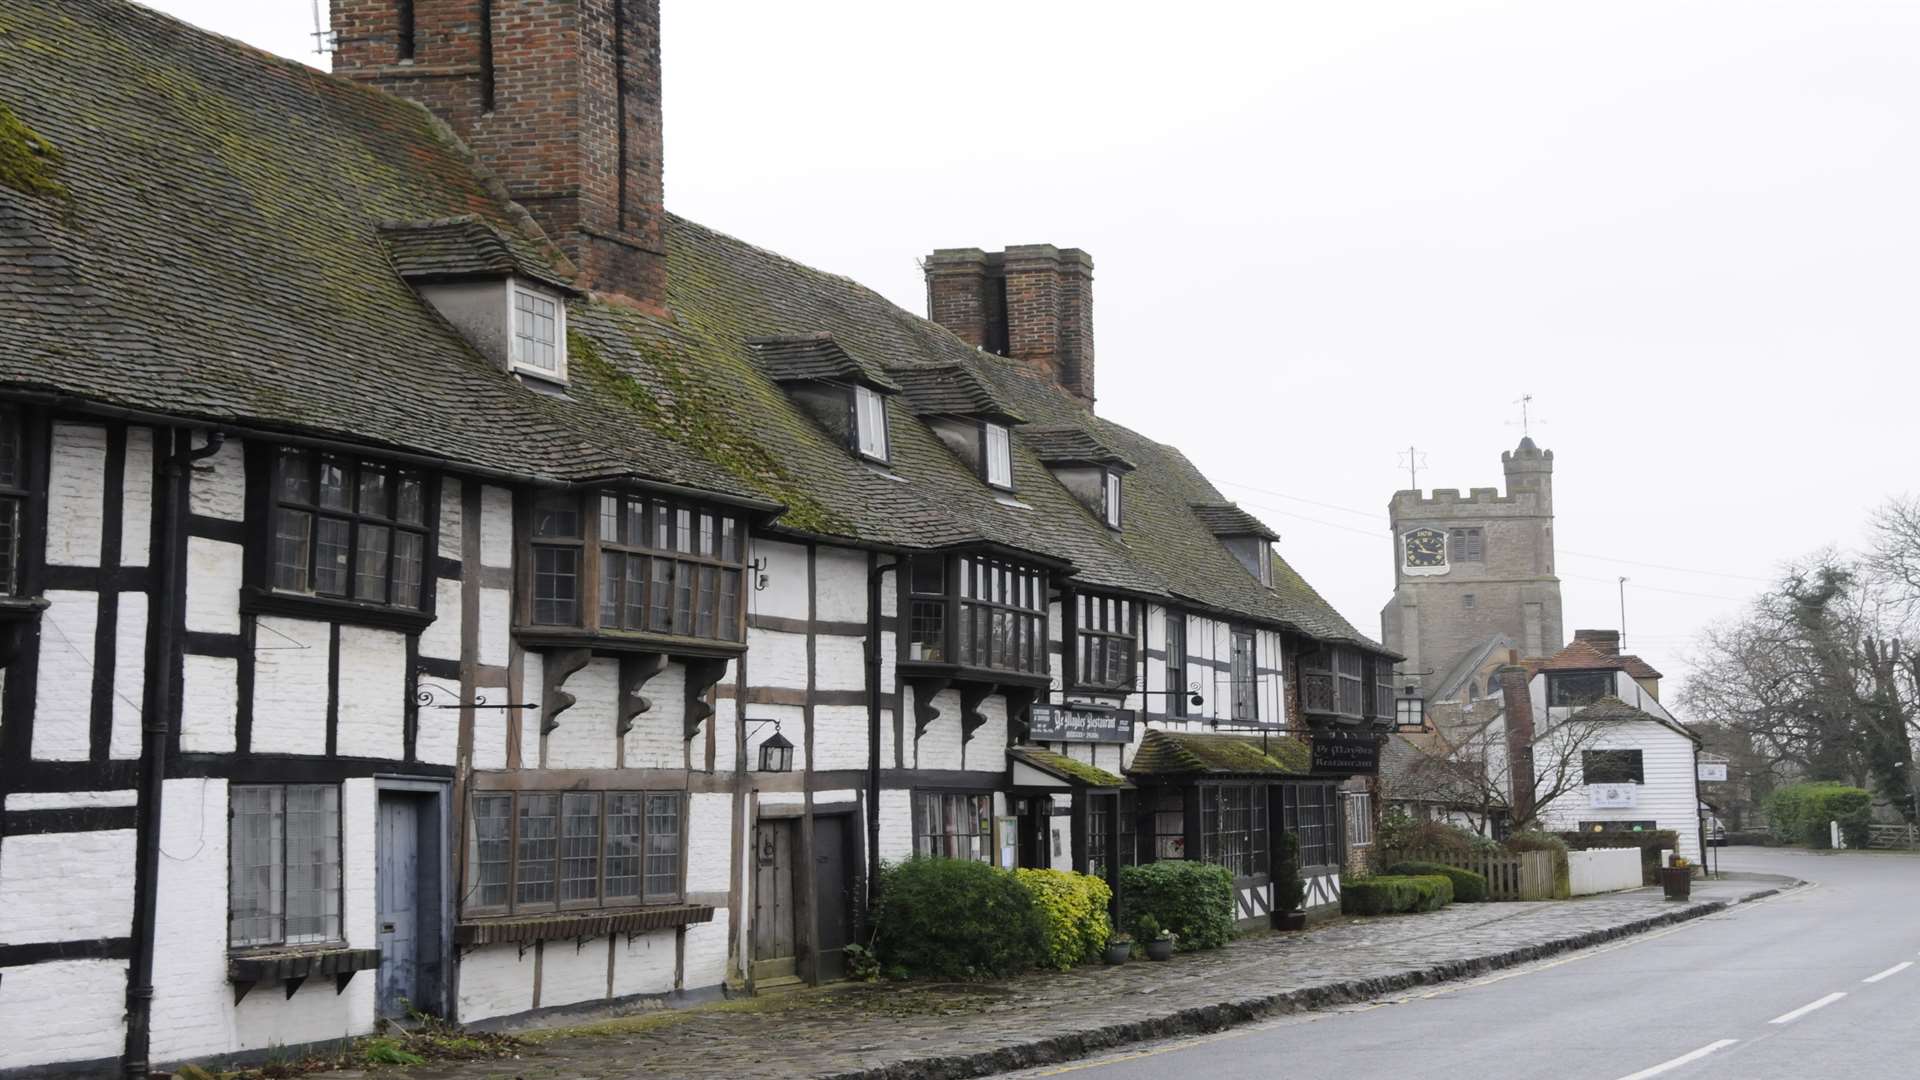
[(1342, 681), (1466, 545), (637, 563), (977, 611), (1612, 767), (1576, 688), (1105, 641), (283, 862), (543, 851), (1233, 827), (351, 528), (1176, 623), (1245, 675), (1311, 812), (1380, 706), (15, 500), (953, 825), (1168, 807)]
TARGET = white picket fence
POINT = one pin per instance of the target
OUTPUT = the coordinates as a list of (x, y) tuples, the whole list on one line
[(1604, 870)]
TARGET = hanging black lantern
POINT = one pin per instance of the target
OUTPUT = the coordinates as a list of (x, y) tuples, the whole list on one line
[(776, 753)]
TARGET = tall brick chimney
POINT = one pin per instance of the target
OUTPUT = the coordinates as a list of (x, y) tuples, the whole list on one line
[(1033, 303), (559, 98), (1605, 642), (1519, 709)]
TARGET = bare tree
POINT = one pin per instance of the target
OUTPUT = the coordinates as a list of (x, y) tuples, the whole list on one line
[(1473, 776)]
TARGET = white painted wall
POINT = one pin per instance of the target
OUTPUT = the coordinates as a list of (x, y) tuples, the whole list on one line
[(1604, 870)]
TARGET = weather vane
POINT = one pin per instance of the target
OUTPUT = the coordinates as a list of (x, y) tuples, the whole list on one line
[(1414, 460)]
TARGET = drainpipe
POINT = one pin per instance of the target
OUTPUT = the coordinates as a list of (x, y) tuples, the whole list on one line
[(155, 726), (874, 576)]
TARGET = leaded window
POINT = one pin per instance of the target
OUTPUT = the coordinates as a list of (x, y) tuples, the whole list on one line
[(1246, 677), (952, 825), (977, 612), (665, 566), (1311, 813), (349, 528), (1104, 641), (283, 850), (13, 498), (1233, 827), (1176, 664), (546, 851)]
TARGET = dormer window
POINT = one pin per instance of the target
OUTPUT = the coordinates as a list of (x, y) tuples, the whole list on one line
[(1242, 534), (1112, 500), (999, 456), (539, 343), (870, 423)]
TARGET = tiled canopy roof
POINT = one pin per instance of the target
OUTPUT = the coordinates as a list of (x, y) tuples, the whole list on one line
[(455, 247), (1075, 773), (1582, 656), (1068, 444), (1226, 519), (815, 357), (952, 390), (1172, 753)]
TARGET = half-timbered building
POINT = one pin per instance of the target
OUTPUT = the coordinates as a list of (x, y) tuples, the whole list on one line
[(438, 578)]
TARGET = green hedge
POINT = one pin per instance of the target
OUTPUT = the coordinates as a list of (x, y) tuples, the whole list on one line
[(1391, 894), (1799, 814), (1192, 899), (1073, 911), (956, 919), (1468, 887), (1650, 842)]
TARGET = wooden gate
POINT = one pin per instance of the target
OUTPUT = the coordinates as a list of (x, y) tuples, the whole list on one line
[(1525, 876)]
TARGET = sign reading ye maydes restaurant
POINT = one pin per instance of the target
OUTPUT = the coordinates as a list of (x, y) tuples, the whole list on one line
[(1343, 753), (1068, 723)]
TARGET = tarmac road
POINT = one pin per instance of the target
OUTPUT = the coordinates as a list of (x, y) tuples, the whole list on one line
[(1822, 981)]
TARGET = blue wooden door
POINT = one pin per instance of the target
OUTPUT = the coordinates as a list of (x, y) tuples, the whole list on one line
[(398, 884)]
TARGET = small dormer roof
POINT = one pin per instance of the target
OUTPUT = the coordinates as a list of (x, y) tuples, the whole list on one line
[(443, 249), (816, 358), (952, 390), (1064, 444), (1226, 519)]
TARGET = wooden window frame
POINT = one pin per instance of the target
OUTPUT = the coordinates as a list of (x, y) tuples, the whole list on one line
[(1252, 857), (1629, 762), (862, 394), (1245, 683), (1112, 499), (695, 553), (930, 835), (987, 430), (604, 797), (339, 856), (1324, 842), (1090, 632), (558, 374), (1176, 664), (960, 610)]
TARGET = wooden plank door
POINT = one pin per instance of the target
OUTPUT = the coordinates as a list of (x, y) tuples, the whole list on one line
[(773, 899), (833, 896), (397, 883)]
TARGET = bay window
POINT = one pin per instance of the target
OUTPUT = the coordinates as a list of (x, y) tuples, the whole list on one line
[(1104, 641), (978, 612), (555, 851), (349, 528), (664, 566)]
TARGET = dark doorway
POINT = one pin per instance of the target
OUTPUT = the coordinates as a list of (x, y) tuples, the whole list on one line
[(833, 888), (408, 902), (1035, 818)]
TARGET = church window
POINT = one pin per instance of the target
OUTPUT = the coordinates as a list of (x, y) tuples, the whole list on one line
[(1466, 545)]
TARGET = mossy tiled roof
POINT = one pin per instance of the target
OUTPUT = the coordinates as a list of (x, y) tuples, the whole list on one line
[(1073, 771), (1177, 753), (815, 358), (1226, 519), (952, 390), (459, 247)]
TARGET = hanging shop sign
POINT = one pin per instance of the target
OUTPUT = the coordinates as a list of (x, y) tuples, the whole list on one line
[(1338, 752), (1613, 796), (1075, 723)]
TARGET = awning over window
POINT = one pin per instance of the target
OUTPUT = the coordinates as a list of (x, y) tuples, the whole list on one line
[(1034, 767), (1168, 753)]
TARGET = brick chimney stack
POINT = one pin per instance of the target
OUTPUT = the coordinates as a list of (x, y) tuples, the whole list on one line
[(1519, 714), (558, 98), (1606, 642), (1033, 302)]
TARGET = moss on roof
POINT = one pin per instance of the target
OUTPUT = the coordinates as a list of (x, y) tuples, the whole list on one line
[(1164, 753), (27, 160), (1065, 767)]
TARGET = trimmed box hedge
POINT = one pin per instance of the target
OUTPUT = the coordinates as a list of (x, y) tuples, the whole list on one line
[(1192, 899), (956, 919), (1468, 887), (1392, 894)]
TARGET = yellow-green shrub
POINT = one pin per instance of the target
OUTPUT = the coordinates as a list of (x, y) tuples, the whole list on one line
[(1073, 910)]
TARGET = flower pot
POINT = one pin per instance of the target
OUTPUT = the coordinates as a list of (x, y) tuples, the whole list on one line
[(1290, 920), (1677, 881), (1118, 951), (1160, 949)]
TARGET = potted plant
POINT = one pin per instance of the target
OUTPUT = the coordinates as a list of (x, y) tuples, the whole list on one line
[(1677, 878), (1159, 942), (1119, 947), (1289, 891)]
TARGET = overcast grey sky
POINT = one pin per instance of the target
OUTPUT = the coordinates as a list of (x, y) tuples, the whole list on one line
[(1324, 232)]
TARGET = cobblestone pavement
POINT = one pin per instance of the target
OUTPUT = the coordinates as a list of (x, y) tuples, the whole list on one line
[(882, 1032)]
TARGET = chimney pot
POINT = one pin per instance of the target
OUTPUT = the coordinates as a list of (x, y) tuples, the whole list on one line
[(1031, 302)]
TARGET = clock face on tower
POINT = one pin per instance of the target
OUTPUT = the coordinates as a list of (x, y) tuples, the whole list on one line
[(1424, 551)]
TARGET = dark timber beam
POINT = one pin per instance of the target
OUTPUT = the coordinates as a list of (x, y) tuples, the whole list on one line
[(559, 666), (972, 696), (925, 689), (701, 677), (635, 670)]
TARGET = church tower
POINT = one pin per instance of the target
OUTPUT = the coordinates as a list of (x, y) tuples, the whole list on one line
[(1467, 570)]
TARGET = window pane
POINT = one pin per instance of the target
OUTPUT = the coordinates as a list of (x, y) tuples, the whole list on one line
[(683, 530), (580, 847), (373, 490), (254, 900), (492, 833), (683, 600), (623, 846), (410, 504), (556, 586), (535, 330), (370, 568), (539, 826), (709, 535), (729, 540), (729, 617), (613, 571), (633, 528), (9, 544), (663, 846), (330, 557), (660, 596), (703, 626), (296, 476), (662, 526), (609, 519), (333, 484), (634, 611), (313, 863), (291, 536), (999, 457), (557, 516), (409, 551)]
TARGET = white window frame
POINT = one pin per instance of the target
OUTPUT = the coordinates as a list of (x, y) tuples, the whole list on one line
[(1111, 486), (558, 373), (870, 423), (997, 453)]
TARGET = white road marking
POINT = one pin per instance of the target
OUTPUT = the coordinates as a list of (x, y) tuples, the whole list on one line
[(1683, 1059), (1894, 970), (1788, 1018)]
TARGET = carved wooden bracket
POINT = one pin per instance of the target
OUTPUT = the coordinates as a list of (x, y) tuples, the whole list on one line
[(635, 670), (559, 665), (972, 696), (1020, 709), (925, 689), (701, 677)]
